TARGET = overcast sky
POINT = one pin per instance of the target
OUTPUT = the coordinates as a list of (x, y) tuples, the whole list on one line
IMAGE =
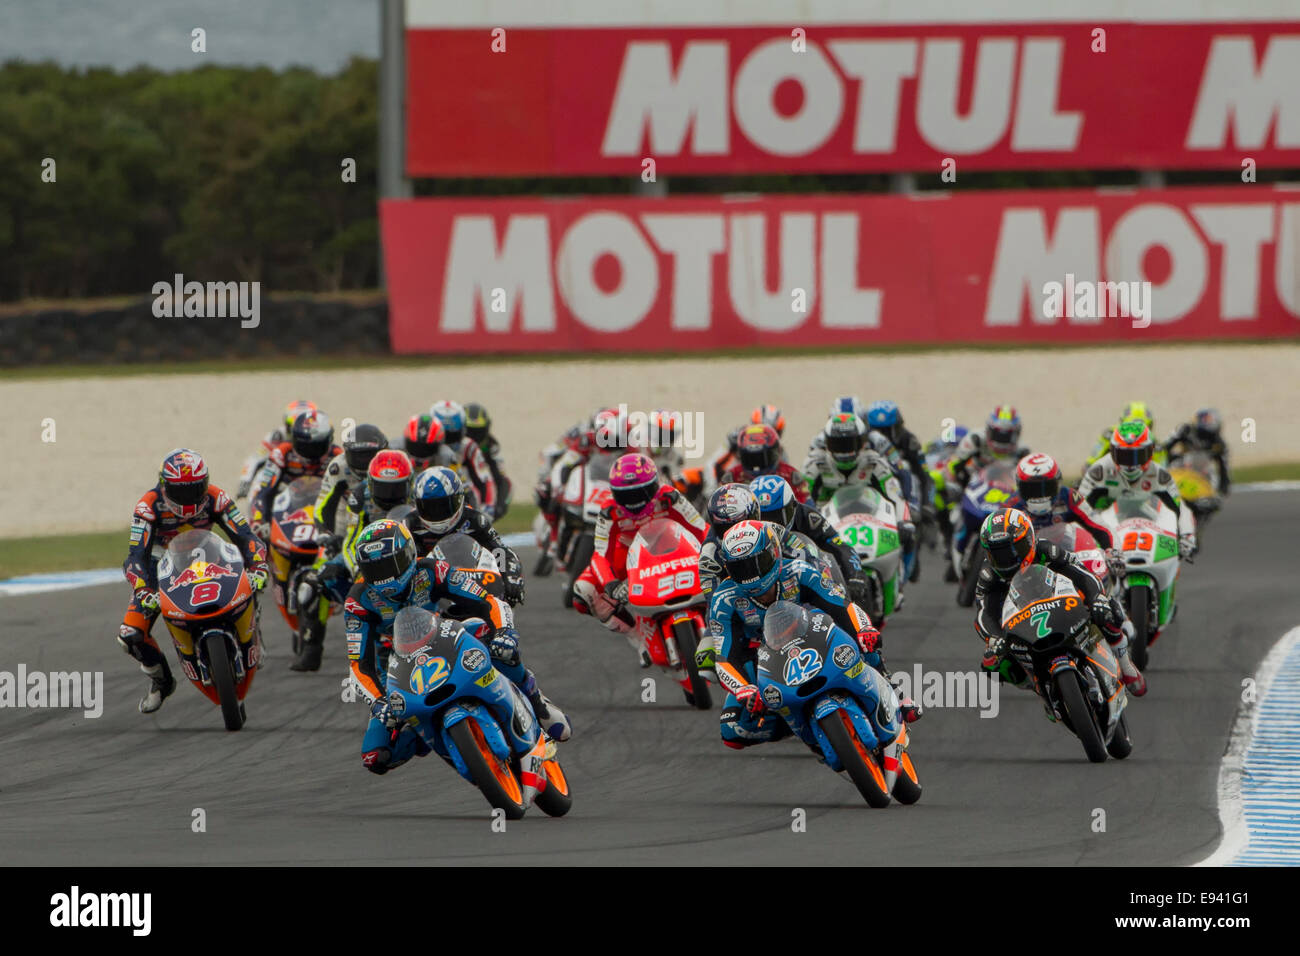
[(321, 34)]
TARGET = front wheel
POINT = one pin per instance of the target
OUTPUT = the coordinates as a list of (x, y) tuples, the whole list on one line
[(557, 799), (907, 788), (1121, 745), (1069, 690), (493, 776), (684, 635), (221, 670), (1139, 612), (861, 765), (970, 575)]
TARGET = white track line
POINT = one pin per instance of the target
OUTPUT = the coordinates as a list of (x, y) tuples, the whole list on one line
[(1259, 779)]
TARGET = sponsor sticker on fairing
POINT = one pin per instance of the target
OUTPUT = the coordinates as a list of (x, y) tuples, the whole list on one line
[(844, 655), (473, 659)]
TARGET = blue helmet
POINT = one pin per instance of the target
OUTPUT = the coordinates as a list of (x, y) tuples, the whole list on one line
[(751, 554), (386, 557), (848, 405), (776, 500), (884, 415), (439, 498), (452, 417)]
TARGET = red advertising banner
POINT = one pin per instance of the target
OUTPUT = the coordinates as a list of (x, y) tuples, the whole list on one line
[(622, 274), (853, 98)]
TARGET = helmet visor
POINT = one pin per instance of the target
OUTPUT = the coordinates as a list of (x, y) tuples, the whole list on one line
[(757, 459), (1004, 557), (637, 497), (438, 511), (386, 493), (752, 568), (311, 448), (359, 457), (1032, 488), (781, 515), (1003, 436), (844, 447), (387, 569), (1131, 457), (188, 493)]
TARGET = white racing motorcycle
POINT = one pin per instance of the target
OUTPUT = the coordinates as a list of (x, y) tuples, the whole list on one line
[(1145, 532), (868, 522)]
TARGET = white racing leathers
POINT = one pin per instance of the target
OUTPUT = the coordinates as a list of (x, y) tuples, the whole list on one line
[(1103, 484)]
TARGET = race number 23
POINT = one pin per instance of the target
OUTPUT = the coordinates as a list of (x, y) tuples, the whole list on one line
[(1137, 541)]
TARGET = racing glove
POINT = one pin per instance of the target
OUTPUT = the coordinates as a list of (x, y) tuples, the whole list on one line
[(328, 544), (383, 713), (258, 578), (1105, 615), (868, 639), (147, 599), (749, 698), (261, 529), (1187, 547), (504, 646), (859, 591), (513, 590), (617, 591), (993, 651)]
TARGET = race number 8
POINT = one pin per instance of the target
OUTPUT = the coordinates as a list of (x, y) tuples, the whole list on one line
[(205, 592)]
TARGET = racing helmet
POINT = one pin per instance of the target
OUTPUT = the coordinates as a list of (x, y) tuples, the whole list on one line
[(452, 417), (759, 448), (386, 557), (389, 479), (439, 498), (1208, 425), (1131, 449), (633, 483), (1038, 481), (1002, 431), (359, 451), (751, 554), (424, 435), (776, 499), (729, 505), (294, 409), (183, 480), (844, 436), (768, 415), (312, 435), (1008, 538), (477, 422)]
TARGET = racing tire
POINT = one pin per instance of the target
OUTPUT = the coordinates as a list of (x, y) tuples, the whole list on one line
[(907, 787), (858, 762), (1069, 690), (1139, 612), (557, 799), (222, 673), (1121, 744), (583, 549), (684, 635), (495, 778)]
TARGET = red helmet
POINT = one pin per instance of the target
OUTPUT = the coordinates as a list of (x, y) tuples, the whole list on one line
[(759, 448), (424, 433), (389, 478), (667, 427), (1038, 480), (183, 479)]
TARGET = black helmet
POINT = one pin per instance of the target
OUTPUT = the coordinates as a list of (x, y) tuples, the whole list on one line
[(1009, 539), (730, 505), (845, 436), (1208, 425), (477, 422), (312, 435), (366, 442)]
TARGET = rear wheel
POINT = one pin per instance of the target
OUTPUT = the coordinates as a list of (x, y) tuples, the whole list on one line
[(1121, 745), (493, 776), (557, 798), (1069, 689), (1139, 612), (907, 788), (684, 635), (583, 549), (858, 762), (221, 670)]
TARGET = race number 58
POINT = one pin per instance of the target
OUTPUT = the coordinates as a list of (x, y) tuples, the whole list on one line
[(682, 581)]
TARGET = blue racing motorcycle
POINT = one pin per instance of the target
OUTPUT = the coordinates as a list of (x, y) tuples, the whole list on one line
[(442, 685), (812, 674)]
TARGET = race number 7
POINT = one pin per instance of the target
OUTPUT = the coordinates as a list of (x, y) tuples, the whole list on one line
[(1135, 541)]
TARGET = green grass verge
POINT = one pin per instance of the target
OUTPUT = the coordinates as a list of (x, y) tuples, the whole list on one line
[(354, 363), (107, 549)]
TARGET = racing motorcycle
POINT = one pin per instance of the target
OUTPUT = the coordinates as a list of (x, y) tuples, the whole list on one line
[(581, 499), (441, 684), (1050, 634), (812, 676), (663, 592), (868, 522), (211, 612), (1197, 475), (1145, 532), (293, 545), (989, 490)]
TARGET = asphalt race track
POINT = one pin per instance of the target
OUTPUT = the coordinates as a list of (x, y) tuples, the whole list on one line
[(652, 783)]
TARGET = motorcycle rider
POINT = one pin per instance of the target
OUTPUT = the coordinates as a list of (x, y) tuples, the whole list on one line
[(387, 486), (846, 460), (1205, 434), (478, 426), (758, 452), (309, 451), (639, 497), (1012, 545), (181, 500), (757, 576), (253, 464), (439, 498), (1000, 442), (1137, 410), (1047, 500), (390, 577), (468, 456), (346, 472), (1129, 472), (729, 454), (777, 504)]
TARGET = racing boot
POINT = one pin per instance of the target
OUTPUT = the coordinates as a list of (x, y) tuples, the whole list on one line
[(161, 687), (1133, 680), (551, 717)]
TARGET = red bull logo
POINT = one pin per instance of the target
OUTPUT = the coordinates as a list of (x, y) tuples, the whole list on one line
[(200, 571), (297, 517)]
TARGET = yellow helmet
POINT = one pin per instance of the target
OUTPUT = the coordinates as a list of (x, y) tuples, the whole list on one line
[(1139, 411)]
